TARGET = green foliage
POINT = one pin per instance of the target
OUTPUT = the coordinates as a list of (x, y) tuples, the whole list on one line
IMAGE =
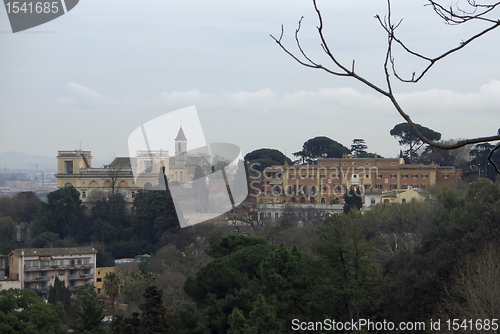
[(354, 280), (406, 137), (284, 275), (265, 157), (154, 317), (111, 286), (59, 293), (62, 214), (466, 224), (231, 243), (90, 312), (22, 311), (352, 200), (154, 214), (321, 147)]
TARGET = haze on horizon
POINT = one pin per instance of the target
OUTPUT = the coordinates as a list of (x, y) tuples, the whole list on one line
[(97, 73)]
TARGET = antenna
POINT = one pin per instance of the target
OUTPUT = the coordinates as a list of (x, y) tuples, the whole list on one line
[(80, 145)]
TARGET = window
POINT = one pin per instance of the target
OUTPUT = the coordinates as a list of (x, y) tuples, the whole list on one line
[(404, 176), (292, 200), (446, 176), (61, 272), (84, 195), (405, 186), (354, 164), (372, 200), (403, 200), (148, 166), (79, 261), (133, 194), (367, 164), (302, 200), (311, 176), (276, 215), (302, 176), (68, 167), (292, 176), (311, 199), (394, 186), (336, 164), (424, 176), (394, 176), (336, 176), (423, 186), (322, 176), (99, 279), (367, 176), (414, 186), (393, 164), (414, 176), (378, 186), (378, 163), (323, 200), (379, 176)]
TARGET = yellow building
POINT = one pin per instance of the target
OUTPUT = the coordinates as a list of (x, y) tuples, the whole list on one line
[(100, 274), (125, 175)]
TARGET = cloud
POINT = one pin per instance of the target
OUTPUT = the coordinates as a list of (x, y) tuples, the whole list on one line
[(83, 91)]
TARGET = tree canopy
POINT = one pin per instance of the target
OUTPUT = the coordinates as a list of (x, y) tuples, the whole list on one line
[(407, 137), (265, 157), (321, 147)]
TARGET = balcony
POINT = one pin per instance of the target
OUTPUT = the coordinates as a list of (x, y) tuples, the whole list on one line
[(81, 277), (59, 267), (37, 279)]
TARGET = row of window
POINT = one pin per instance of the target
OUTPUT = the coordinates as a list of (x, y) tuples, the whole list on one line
[(403, 186), (55, 263)]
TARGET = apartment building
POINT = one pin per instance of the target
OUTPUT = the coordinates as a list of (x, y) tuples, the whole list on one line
[(37, 268)]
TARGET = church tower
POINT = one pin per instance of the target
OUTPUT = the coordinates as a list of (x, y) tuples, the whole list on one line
[(181, 148)]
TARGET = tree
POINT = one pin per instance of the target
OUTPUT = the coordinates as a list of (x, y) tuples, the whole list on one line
[(358, 147), (112, 286), (475, 288), (154, 214), (407, 137), (22, 311), (90, 312), (321, 147), (479, 162), (62, 214), (60, 293), (355, 280), (265, 157), (453, 15), (352, 200)]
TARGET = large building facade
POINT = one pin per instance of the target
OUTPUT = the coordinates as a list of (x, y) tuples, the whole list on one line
[(125, 175), (327, 181), (37, 268)]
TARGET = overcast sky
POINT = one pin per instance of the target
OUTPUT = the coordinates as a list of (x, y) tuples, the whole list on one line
[(105, 68)]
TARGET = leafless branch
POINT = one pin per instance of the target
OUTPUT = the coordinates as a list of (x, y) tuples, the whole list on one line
[(451, 16)]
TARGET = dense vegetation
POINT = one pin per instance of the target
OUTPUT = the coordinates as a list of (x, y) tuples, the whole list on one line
[(400, 262)]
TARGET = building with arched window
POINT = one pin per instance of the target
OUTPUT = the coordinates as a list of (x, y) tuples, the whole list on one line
[(126, 175)]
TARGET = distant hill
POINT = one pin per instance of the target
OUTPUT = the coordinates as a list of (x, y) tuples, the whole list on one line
[(22, 161)]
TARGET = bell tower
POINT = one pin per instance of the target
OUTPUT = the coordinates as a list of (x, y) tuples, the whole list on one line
[(180, 148)]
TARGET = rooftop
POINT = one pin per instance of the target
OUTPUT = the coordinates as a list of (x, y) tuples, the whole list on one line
[(54, 251)]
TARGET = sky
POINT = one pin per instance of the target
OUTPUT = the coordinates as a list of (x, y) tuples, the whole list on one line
[(92, 76)]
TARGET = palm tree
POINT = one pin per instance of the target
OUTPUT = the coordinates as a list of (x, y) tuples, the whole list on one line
[(112, 286)]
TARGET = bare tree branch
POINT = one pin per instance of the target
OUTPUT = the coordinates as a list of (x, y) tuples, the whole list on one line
[(451, 16)]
